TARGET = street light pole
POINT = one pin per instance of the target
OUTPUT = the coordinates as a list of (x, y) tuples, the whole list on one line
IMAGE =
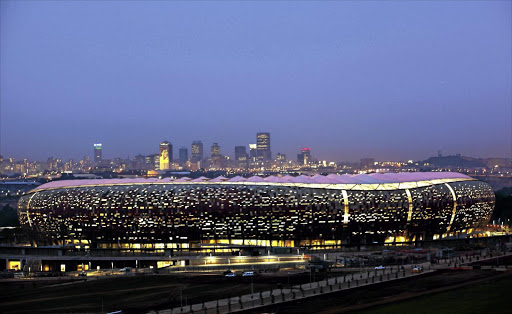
[(310, 276)]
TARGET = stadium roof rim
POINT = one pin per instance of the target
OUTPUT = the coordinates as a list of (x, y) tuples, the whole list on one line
[(343, 182)]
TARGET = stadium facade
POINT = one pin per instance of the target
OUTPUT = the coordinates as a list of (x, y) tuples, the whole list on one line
[(315, 211)]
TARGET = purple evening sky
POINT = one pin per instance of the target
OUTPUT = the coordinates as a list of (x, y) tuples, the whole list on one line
[(390, 80)]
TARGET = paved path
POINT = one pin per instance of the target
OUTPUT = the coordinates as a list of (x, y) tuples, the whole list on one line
[(307, 290)]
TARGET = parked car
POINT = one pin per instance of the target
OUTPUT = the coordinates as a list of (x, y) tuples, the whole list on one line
[(230, 275), (380, 267), (248, 274), (126, 269), (417, 269)]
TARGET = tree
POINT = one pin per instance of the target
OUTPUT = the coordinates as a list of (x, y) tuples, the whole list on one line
[(9, 217), (503, 208)]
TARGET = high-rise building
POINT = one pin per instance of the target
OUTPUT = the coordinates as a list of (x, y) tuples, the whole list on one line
[(153, 161), (263, 146), (97, 152), (253, 151), (241, 156), (197, 151), (183, 155), (215, 150), (165, 155), (304, 158), (139, 162), (51, 164), (281, 157), (240, 152)]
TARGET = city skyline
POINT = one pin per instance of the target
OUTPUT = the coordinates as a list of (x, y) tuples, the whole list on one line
[(349, 80), (174, 150)]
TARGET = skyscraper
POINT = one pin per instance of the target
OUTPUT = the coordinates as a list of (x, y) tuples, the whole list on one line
[(165, 155), (241, 156), (281, 157), (215, 150), (153, 161), (197, 151), (240, 152), (304, 158), (263, 146), (253, 152), (97, 152), (139, 162), (183, 155)]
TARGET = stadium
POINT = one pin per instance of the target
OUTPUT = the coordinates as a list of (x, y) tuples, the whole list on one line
[(275, 211)]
